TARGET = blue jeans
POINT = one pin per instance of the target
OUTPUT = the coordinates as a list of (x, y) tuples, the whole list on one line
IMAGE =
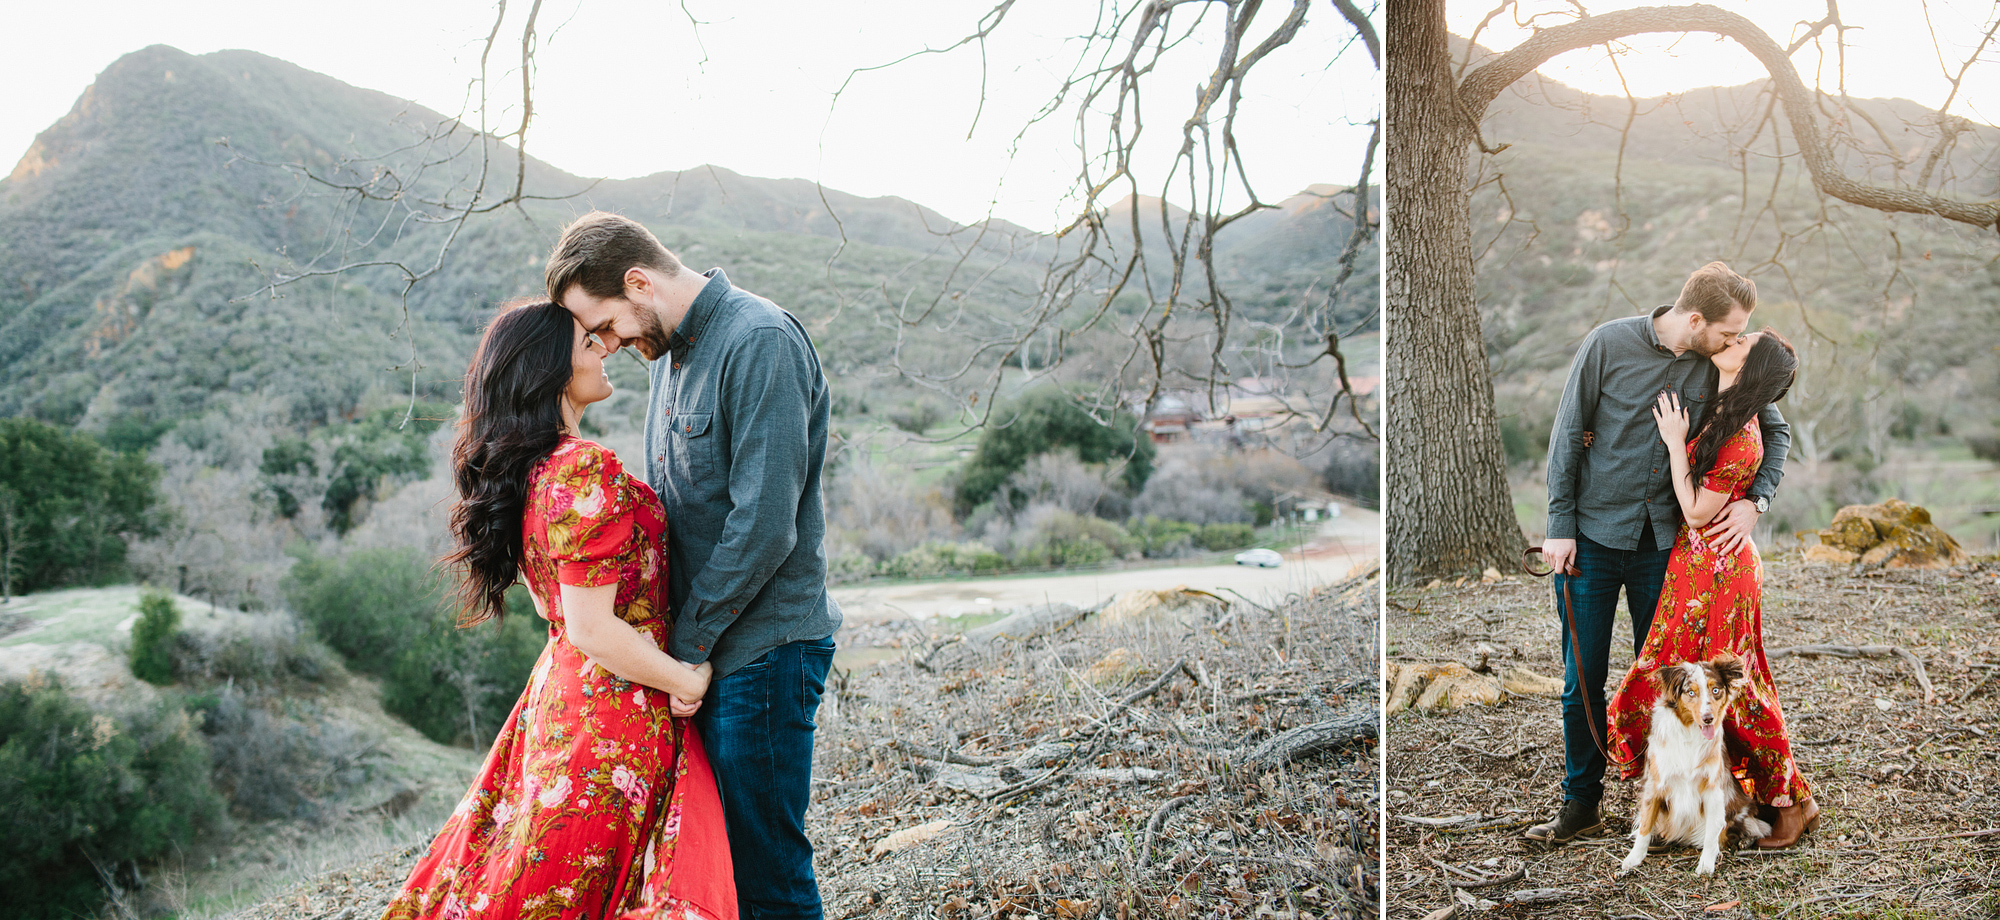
[(1594, 596), (758, 726)]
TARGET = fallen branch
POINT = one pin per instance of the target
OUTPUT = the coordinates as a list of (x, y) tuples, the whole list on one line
[(1153, 826), (1862, 651), (929, 753), (1962, 835), (1438, 822), (1519, 873), (1357, 726), (1098, 724)]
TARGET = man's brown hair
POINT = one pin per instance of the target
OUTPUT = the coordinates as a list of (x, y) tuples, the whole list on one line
[(1713, 291), (598, 248)]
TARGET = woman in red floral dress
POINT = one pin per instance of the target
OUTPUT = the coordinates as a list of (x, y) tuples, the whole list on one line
[(596, 799), (1710, 601)]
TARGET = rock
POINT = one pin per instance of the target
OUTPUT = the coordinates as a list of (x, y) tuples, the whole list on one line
[(908, 837), (1892, 534), (1826, 554), (1115, 669), (1178, 604), (1523, 682)]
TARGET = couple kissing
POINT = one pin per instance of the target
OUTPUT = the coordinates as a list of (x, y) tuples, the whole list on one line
[(1666, 449)]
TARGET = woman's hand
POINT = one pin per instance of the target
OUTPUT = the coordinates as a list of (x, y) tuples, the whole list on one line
[(681, 706), (1672, 419)]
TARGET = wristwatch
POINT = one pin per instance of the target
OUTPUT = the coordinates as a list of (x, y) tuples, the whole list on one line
[(1762, 503)]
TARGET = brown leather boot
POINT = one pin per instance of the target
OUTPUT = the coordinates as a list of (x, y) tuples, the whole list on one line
[(1794, 820)]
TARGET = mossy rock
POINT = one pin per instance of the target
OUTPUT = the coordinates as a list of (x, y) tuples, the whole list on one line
[(1892, 534)]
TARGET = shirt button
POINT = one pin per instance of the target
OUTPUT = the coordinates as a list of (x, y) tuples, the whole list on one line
[(689, 429), (677, 365)]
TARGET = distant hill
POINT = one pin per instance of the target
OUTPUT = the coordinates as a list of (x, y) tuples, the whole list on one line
[(133, 247), (1895, 316)]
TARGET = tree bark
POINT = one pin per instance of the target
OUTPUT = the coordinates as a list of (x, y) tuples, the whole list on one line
[(1448, 508)]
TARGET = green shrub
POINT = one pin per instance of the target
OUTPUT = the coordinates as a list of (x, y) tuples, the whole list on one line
[(1045, 420), (932, 560), (849, 566), (267, 649), (66, 507), (1162, 538), (387, 613), (80, 786), (1214, 537), (277, 756), (368, 605), (153, 638), (1055, 537), (458, 685)]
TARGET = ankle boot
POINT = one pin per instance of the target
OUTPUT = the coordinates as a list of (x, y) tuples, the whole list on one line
[(1793, 821)]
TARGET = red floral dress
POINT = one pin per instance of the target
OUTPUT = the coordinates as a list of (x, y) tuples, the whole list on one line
[(593, 802), (1708, 605)]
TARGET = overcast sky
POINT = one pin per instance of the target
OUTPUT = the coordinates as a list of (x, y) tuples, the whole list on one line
[(623, 89), (1898, 48)]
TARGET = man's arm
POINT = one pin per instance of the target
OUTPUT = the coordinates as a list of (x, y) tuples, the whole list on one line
[(1738, 522), (1777, 443), (1574, 415), (766, 394)]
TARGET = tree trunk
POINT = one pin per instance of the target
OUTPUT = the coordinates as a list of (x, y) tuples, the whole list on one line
[(1448, 508)]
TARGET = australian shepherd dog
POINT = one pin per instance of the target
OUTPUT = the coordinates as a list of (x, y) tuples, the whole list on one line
[(1688, 794)]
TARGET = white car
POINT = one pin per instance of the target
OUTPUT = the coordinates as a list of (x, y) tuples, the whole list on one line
[(1267, 558)]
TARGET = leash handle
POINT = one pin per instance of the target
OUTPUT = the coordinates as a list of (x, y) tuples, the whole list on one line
[(1576, 654)]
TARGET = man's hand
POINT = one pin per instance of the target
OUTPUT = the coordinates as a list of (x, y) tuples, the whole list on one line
[(1733, 527), (1560, 555), (681, 709)]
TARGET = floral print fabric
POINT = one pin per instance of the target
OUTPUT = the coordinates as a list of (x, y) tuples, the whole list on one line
[(1708, 605), (593, 801)]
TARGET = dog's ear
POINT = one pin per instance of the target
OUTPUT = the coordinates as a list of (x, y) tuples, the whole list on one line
[(1672, 680), (1730, 669)]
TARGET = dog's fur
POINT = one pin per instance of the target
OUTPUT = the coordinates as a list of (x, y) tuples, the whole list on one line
[(1688, 794)]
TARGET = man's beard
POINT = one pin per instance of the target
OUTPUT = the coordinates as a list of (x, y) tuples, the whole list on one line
[(652, 339)]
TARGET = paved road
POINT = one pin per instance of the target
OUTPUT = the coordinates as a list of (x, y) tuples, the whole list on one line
[(1338, 547)]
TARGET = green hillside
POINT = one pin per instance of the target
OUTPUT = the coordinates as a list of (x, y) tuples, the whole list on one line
[(134, 244), (1894, 316)]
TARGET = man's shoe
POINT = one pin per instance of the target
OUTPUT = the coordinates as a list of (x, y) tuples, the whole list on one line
[(1577, 818)]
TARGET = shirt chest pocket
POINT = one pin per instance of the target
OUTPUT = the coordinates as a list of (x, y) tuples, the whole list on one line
[(694, 445), (1695, 400)]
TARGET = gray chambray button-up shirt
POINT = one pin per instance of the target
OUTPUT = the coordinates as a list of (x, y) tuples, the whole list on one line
[(735, 437), (1608, 489)]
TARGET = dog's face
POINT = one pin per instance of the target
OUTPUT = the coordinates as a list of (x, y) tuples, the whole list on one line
[(1701, 692)]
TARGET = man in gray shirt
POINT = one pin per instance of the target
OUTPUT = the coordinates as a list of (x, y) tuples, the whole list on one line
[(735, 438), (1612, 511)]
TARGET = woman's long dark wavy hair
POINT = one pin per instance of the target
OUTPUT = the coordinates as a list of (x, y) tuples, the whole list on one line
[(513, 418), (1765, 378)]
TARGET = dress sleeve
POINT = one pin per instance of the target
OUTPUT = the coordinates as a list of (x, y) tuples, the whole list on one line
[(1736, 463), (590, 517)]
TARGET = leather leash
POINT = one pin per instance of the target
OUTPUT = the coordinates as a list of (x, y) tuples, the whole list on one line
[(1576, 654)]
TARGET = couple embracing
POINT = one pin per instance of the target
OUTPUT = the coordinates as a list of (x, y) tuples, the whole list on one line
[(1665, 452), (659, 763)]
